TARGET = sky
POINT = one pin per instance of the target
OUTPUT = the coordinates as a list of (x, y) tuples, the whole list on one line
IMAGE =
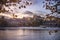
[(36, 6)]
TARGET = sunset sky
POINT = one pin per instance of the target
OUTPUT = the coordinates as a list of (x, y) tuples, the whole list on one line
[(36, 6)]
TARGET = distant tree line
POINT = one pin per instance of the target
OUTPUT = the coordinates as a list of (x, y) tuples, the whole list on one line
[(3, 22)]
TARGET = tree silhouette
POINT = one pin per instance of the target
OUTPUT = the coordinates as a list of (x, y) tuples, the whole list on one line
[(3, 22), (50, 5), (7, 3)]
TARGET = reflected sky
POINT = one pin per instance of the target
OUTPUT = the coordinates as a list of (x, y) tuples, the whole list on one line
[(28, 35)]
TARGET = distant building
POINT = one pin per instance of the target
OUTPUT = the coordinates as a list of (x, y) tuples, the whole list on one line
[(50, 18), (50, 21)]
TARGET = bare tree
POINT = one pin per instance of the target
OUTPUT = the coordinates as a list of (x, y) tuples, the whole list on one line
[(7, 3), (50, 5)]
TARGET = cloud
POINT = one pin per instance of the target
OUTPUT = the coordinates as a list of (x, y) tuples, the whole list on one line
[(28, 12)]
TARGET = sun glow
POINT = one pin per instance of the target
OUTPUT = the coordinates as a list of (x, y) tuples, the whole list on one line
[(16, 15), (20, 15), (7, 15)]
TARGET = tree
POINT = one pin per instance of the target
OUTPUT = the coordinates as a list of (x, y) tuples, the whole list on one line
[(54, 7), (51, 5), (7, 3), (3, 22)]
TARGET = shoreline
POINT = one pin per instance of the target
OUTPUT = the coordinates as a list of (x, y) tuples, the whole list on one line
[(29, 28)]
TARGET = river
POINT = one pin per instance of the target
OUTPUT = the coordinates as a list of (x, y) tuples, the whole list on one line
[(23, 34)]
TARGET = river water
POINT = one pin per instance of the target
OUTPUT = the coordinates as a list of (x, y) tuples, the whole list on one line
[(29, 35)]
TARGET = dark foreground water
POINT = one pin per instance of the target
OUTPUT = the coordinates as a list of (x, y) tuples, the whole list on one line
[(29, 35)]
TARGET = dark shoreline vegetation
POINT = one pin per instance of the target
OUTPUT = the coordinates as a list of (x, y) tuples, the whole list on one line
[(36, 21), (19, 22)]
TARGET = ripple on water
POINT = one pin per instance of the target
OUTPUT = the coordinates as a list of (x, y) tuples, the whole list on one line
[(29, 35)]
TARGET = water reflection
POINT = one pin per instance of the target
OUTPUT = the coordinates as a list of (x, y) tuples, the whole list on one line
[(29, 35)]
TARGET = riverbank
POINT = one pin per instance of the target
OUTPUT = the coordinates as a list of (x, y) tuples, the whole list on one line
[(37, 28)]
